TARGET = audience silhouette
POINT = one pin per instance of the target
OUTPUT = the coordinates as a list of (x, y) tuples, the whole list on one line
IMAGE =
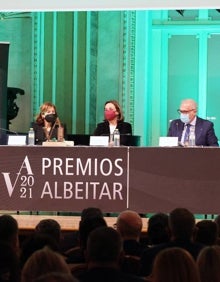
[(208, 262), (104, 248), (182, 227), (43, 261), (113, 254), (175, 265)]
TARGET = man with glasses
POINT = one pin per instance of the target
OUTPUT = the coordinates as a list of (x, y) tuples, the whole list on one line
[(189, 122)]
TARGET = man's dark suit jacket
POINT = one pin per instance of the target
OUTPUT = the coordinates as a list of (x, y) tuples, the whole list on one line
[(148, 256), (204, 132), (124, 128), (108, 274)]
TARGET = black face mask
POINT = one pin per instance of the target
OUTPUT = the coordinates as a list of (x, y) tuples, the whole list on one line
[(51, 118)]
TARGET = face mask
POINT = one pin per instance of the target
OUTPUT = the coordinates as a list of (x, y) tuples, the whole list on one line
[(110, 115), (51, 118), (184, 118)]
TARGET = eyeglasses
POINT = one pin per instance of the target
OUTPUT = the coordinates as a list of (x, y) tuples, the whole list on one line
[(185, 112)]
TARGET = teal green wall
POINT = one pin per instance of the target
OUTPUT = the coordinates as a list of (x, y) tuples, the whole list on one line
[(18, 32), (148, 60)]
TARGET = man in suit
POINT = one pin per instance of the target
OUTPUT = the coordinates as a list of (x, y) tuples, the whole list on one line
[(190, 122), (103, 253), (182, 227), (129, 225)]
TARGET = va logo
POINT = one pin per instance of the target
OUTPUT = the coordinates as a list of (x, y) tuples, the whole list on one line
[(25, 178)]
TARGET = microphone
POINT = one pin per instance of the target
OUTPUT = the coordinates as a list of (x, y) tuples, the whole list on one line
[(8, 131)]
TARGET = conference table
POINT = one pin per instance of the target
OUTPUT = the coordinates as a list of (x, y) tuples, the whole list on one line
[(145, 179)]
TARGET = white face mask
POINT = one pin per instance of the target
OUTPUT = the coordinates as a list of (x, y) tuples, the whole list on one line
[(184, 118)]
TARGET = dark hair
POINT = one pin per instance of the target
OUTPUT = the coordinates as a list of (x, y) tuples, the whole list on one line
[(9, 263), (50, 227), (206, 232), (104, 245), (86, 226), (157, 230), (182, 223), (91, 212), (217, 220), (34, 242), (8, 227)]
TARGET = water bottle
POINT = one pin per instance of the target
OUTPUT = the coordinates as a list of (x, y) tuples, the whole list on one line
[(60, 134), (116, 138), (31, 137), (192, 139)]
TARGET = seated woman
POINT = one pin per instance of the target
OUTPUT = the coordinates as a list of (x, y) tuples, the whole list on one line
[(47, 126), (113, 118)]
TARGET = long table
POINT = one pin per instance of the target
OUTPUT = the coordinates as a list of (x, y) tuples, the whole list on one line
[(146, 179)]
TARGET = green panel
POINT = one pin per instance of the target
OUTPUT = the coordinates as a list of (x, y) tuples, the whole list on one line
[(64, 68), (108, 59), (80, 46), (213, 82), (183, 71), (143, 77), (48, 55), (17, 31)]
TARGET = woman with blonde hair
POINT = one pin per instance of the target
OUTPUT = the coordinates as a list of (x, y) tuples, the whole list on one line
[(174, 265), (47, 126), (41, 262)]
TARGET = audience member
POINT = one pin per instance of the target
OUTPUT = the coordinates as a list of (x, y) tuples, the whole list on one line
[(104, 248), (50, 227), (158, 229), (129, 224), (206, 232), (56, 277), (208, 262), (217, 221), (9, 264), (91, 212), (36, 242), (182, 226), (43, 261), (9, 231), (74, 238), (175, 265), (77, 255)]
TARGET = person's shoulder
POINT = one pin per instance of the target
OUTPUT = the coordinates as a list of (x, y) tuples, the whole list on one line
[(34, 124), (174, 121), (124, 123), (204, 121), (153, 250), (103, 123), (127, 123)]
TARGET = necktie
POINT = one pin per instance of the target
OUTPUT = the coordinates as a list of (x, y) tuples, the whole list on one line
[(186, 136)]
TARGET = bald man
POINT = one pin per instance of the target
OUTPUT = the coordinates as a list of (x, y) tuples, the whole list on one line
[(129, 225), (203, 129)]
